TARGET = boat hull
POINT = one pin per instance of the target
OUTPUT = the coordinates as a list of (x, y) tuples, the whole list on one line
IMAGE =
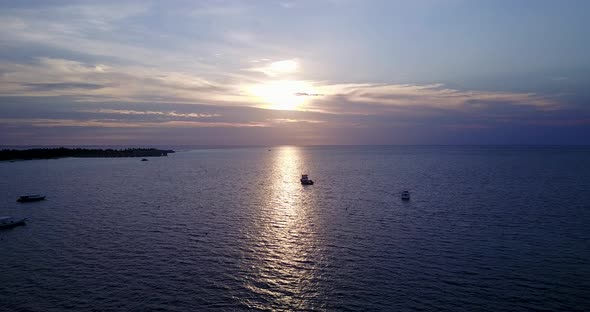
[(30, 199), (405, 196), (13, 224)]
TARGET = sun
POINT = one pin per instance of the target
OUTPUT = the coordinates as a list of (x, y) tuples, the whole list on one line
[(283, 94)]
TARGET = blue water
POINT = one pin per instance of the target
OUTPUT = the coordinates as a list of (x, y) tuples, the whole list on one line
[(487, 229)]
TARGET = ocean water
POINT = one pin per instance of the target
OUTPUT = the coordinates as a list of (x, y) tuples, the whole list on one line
[(487, 229)]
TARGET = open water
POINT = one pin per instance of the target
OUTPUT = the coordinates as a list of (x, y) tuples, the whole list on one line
[(487, 229)]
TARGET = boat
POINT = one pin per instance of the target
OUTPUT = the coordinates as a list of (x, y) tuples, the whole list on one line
[(405, 195), (30, 198), (305, 180), (144, 159), (9, 222)]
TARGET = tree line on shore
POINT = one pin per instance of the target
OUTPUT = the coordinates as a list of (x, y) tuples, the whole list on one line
[(48, 153)]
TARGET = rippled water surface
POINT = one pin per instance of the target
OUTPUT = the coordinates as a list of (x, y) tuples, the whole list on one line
[(487, 229)]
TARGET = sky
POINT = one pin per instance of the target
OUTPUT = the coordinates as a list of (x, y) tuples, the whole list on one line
[(322, 72)]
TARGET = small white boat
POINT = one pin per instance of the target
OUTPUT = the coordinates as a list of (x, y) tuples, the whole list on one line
[(305, 180), (405, 195), (9, 222)]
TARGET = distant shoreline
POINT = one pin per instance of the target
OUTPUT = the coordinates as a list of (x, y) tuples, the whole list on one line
[(62, 152)]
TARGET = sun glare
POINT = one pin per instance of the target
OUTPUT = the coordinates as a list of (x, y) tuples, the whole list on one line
[(284, 94), (283, 67)]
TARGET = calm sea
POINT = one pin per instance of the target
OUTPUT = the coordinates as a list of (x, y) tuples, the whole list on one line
[(486, 229)]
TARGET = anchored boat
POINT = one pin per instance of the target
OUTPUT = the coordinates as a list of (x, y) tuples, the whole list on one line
[(405, 195), (30, 198), (10, 222), (305, 180)]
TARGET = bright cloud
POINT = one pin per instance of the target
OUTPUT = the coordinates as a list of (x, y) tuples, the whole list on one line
[(104, 82), (434, 95), (115, 123), (277, 69), (158, 113)]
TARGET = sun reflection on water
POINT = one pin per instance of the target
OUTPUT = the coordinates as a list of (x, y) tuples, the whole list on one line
[(286, 249)]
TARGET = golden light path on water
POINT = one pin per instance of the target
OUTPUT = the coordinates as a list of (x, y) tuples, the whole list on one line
[(286, 250)]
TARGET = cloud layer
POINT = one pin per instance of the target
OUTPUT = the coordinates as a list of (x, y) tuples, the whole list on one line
[(216, 73)]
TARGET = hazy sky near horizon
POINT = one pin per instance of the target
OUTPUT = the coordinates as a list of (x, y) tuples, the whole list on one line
[(294, 72)]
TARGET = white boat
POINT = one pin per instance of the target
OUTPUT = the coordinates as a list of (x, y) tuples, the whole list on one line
[(405, 195), (305, 180), (9, 222)]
